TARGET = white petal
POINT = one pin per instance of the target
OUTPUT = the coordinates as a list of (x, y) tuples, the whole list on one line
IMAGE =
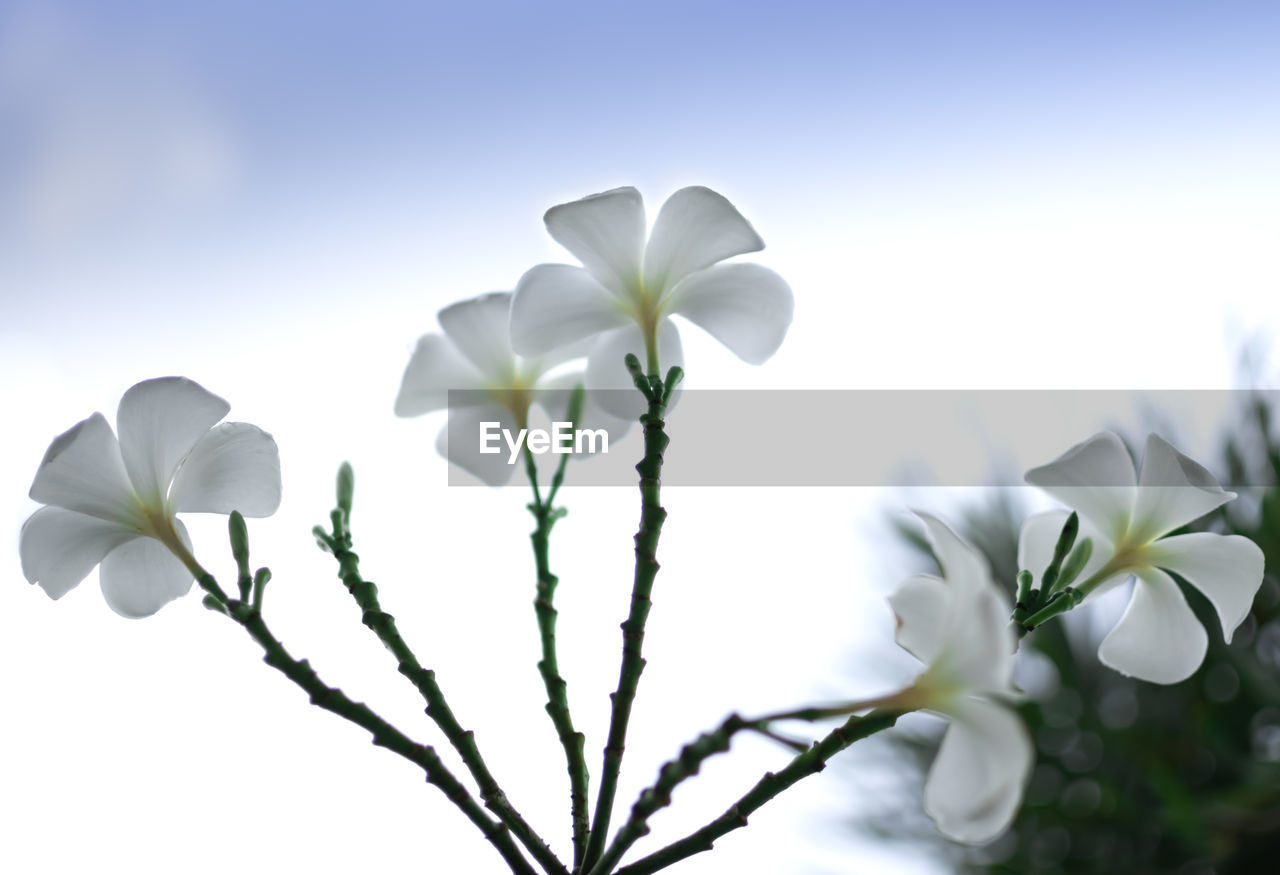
[(962, 565), (920, 605), (1173, 490), (83, 471), (60, 547), (235, 466), (606, 233), (1226, 568), (1039, 536), (976, 783), (1094, 477), (978, 645), (695, 228), (553, 396), (460, 443), (141, 577), (160, 421), (610, 384), (746, 307), (557, 305), (434, 369), (1158, 639), (479, 329)]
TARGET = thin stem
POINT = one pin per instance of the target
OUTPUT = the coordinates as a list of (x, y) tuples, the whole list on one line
[(383, 625), (771, 785)]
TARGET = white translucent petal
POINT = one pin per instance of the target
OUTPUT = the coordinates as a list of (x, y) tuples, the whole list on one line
[(479, 329), (60, 547), (695, 228), (962, 565), (746, 307), (1039, 536), (235, 466), (160, 421), (976, 784), (606, 233), (1158, 639), (460, 442), (140, 577), (1173, 490), (610, 385), (1226, 568), (553, 396), (557, 305), (920, 605), (1095, 478), (434, 369), (83, 471), (978, 645)]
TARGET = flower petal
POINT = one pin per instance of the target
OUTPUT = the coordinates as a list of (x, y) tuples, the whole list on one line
[(1158, 639), (1040, 533), (479, 329), (83, 471), (60, 547), (978, 645), (1173, 490), (609, 383), (434, 369), (460, 442), (962, 565), (141, 576), (160, 421), (556, 305), (695, 228), (606, 233), (920, 605), (1226, 568), (1096, 478), (976, 783), (746, 307), (553, 395), (235, 466)]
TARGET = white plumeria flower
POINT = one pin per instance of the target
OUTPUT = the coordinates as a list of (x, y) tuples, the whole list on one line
[(958, 625), (626, 290), (473, 359), (1158, 638), (114, 501)]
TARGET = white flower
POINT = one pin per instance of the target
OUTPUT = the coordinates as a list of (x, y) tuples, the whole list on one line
[(1159, 638), (626, 290), (473, 359), (113, 502), (958, 625)]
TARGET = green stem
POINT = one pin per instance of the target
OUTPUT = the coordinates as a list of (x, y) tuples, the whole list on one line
[(771, 785), (384, 734), (652, 516), (549, 666), (383, 625)]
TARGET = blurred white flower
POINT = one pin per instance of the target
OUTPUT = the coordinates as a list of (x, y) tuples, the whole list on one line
[(1128, 516), (958, 625), (626, 290), (474, 360), (114, 501)]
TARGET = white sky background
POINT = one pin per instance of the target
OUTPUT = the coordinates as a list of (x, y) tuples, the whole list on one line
[(1066, 201)]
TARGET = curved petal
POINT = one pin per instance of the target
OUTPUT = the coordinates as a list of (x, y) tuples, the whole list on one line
[(83, 471), (978, 644), (1226, 568), (460, 442), (141, 577), (695, 228), (1173, 490), (746, 307), (235, 466), (160, 421), (1158, 639), (434, 369), (962, 565), (480, 330), (553, 396), (920, 605), (60, 547), (555, 305), (609, 384), (1039, 536), (1095, 478), (606, 233), (976, 783)]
